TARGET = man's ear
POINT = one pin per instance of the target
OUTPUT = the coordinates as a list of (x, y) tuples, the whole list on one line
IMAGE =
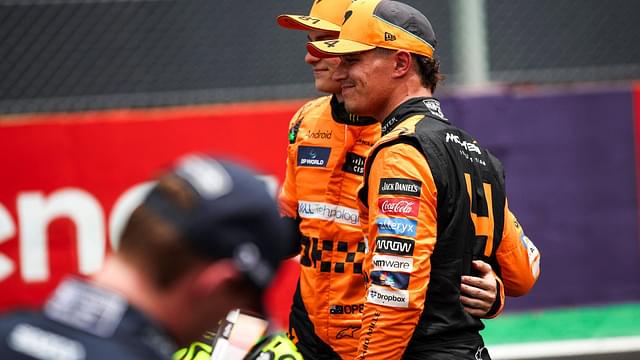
[(402, 63), (214, 277)]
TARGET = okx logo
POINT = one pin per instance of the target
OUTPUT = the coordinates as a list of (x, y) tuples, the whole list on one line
[(396, 280)]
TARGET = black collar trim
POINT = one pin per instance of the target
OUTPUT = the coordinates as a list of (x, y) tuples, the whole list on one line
[(342, 116), (420, 105)]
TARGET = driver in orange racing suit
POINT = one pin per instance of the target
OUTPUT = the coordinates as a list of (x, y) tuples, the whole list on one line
[(324, 169), (433, 200)]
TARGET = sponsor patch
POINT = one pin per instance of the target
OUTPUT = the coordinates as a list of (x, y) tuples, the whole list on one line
[(394, 246), (348, 332), (434, 107), (385, 296), (313, 156), (396, 280), (388, 125), (340, 309), (293, 132), (468, 146), (397, 226), (320, 134), (328, 212), (91, 309), (353, 164), (398, 206), (38, 343), (392, 263), (397, 186)]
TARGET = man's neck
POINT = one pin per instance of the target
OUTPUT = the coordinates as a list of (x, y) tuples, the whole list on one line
[(401, 94), (120, 277)]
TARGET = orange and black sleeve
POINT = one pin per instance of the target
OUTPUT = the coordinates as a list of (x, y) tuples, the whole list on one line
[(402, 236)]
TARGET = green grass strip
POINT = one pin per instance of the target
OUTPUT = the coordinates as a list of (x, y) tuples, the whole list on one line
[(565, 324)]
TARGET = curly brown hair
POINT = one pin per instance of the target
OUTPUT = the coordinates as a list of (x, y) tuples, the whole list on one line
[(429, 71)]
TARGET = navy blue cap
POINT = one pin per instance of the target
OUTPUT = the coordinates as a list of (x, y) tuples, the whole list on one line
[(234, 216)]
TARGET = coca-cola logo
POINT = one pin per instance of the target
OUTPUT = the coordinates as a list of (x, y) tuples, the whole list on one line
[(398, 206)]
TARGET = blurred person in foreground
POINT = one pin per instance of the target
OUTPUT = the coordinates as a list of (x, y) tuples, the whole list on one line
[(206, 239), (325, 164), (459, 209)]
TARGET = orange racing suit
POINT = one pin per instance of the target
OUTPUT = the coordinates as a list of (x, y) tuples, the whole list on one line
[(432, 201), (325, 164)]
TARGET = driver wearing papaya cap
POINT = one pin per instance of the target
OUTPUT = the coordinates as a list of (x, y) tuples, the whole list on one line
[(458, 219)]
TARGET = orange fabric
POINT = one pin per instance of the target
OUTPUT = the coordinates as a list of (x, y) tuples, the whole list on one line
[(518, 256), (323, 195), (387, 330)]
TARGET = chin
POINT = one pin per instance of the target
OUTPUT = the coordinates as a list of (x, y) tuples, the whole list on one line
[(327, 87), (354, 107)]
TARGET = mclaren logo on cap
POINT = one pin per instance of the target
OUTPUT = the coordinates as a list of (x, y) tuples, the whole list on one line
[(347, 15)]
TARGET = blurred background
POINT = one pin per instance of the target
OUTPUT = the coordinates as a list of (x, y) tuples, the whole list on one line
[(77, 55), (96, 96)]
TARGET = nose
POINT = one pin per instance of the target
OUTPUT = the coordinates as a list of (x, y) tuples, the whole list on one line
[(310, 59), (341, 71)]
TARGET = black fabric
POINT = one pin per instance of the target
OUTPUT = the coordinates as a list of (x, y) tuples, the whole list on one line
[(342, 116), (450, 153), (308, 343), (26, 334), (294, 226), (413, 106), (469, 347), (496, 304)]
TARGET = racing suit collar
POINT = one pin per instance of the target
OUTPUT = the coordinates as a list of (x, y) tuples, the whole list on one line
[(342, 116), (420, 105)]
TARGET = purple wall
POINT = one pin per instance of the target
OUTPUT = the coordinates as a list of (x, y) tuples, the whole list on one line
[(571, 181)]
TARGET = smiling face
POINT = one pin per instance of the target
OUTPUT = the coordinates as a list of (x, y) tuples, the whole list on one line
[(366, 82), (323, 69)]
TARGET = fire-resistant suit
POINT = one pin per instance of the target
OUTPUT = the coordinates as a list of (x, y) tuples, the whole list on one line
[(432, 201), (325, 164)]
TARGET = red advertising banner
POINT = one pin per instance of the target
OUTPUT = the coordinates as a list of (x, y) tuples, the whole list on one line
[(69, 182)]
